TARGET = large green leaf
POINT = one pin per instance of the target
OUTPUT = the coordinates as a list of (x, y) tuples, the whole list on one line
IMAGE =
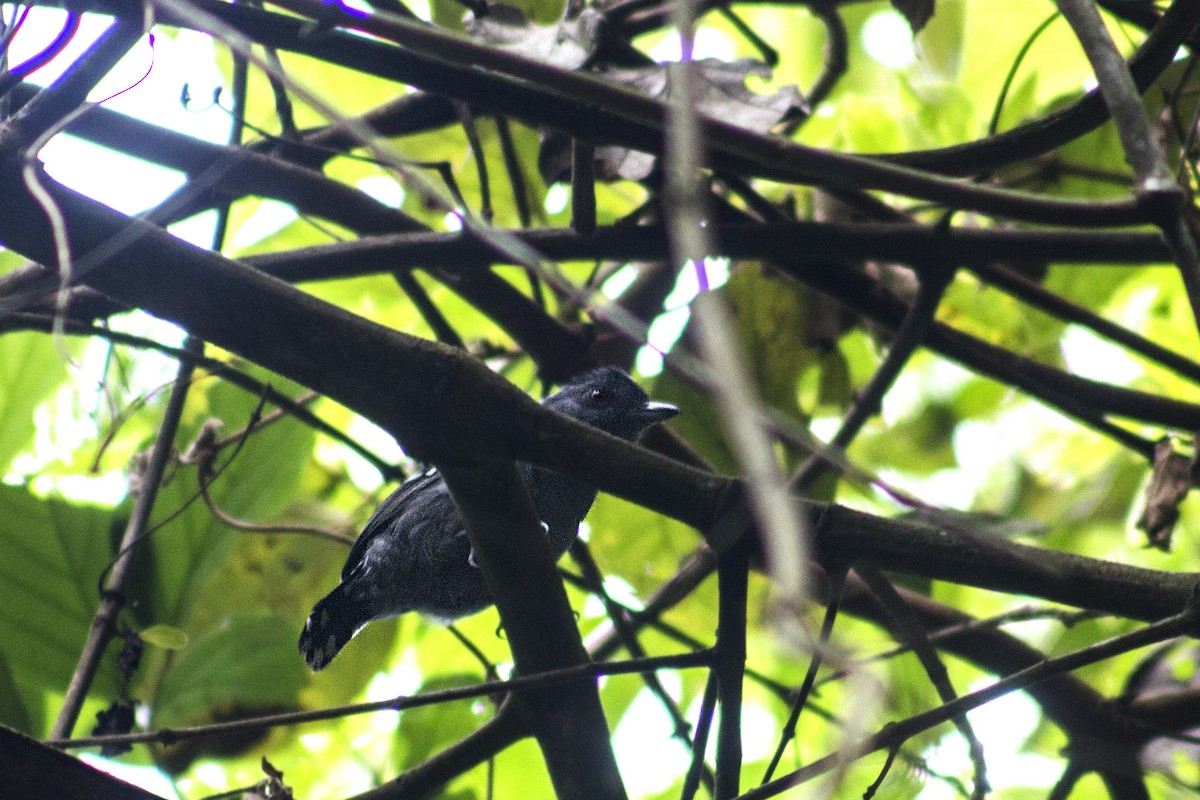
[(427, 729), (54, 554), (13, 711), (31, 366), (249, 663), (258, 484), (777, 328), (637, 544)]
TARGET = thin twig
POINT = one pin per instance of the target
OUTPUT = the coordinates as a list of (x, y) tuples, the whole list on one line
[(52, 108), (1038, 296), (909, 630), (220, 369), (259, 527), (909, 336), (1010, 76), (428, 310), (1156, 185), (489, 669), (895, 733), (837, 48), (837, 582), (637, 121), (113, 598), (516, 173), (11, 77), (1067, 618), (583, 187), (1142, 148), (627, 632), (169, 736), (733, 572), (466, 118), (770, 55), (708, 706), (640, 619)]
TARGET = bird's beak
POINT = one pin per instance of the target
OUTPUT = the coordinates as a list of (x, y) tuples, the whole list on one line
[(655, 412)]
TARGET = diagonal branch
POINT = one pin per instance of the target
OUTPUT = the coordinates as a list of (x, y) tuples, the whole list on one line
[(1156, 186), (894, 734), (113, 597), (514, 555), (53, 105), (590, 107)]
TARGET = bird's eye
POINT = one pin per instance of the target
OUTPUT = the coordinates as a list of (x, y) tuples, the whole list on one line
[(600, 395)]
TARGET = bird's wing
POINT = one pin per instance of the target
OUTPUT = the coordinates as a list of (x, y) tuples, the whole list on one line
[(388, 510)]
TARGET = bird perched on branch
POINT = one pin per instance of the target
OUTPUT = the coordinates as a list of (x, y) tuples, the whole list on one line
[(414, 554)]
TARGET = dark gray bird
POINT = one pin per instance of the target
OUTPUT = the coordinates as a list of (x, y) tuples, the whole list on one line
[(414, 555)]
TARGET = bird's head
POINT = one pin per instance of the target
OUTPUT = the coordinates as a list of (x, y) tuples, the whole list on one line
[(608, 399)]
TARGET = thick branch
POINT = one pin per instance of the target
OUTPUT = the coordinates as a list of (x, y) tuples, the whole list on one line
[(1067, 124), (915, 548), (444, 406), (1155, 184), (586, 106), (54, 104), (1089, 400), (219, 173), (272, 324), (1142, 148), (514, 555), (794, 242), (33, 771)]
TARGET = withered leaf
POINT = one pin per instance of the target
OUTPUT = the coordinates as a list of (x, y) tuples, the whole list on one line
[(567, 44), (721, 94), (1170, 481)]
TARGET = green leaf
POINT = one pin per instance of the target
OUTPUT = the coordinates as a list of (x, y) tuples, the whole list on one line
[(13, 711), (939, 36), (427, 729), (920, 444), (54, 554), (778, 329), (250, 663), (996, 316), (638, 544), (700, 426), (165, 636), (31, 367), (256, 486), (834, 387), (870, 124)]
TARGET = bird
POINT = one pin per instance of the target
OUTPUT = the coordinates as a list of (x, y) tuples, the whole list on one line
[(414, 555)]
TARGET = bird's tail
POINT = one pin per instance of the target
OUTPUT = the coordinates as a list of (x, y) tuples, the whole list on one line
[(332, 623)]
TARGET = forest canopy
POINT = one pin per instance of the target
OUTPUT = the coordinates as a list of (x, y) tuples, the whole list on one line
[(923, 280)]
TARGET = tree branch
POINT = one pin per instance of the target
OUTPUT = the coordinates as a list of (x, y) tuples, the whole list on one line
[(1155, 185), (113, 598), (512, 552), (897, 733), (586, 106)]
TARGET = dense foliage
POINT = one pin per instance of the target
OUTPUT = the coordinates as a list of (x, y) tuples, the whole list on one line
[(929, 305)]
